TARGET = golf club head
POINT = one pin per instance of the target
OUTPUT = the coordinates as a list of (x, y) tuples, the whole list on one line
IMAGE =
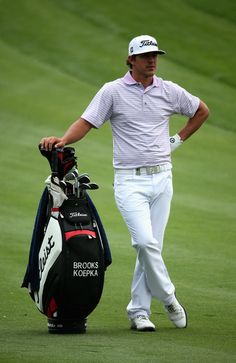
[(84, 186), (70, 177), (93, 186), (88, 186), (83, 178)]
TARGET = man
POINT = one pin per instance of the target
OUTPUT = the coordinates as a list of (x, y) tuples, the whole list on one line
[(139, 106)]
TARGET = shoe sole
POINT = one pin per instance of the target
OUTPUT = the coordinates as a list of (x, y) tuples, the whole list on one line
[(144, 329), (186, 315)]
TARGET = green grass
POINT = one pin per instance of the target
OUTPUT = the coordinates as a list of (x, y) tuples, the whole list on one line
[(54, 56)]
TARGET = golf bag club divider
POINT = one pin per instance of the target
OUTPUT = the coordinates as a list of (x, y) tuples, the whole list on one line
[(71, 262)]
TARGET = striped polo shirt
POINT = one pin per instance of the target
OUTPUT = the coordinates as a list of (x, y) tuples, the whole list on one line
[(139, 118)]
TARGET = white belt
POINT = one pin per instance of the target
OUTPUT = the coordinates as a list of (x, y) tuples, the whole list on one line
[(148, 170)]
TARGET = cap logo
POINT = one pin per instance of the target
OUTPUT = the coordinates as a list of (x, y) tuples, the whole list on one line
[(145, 43), (131, 49)]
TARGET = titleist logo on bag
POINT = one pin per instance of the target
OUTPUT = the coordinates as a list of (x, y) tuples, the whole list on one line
[(43, 256), (77, 214)]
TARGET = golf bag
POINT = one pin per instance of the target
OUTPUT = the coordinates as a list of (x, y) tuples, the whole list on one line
[(69, 250)]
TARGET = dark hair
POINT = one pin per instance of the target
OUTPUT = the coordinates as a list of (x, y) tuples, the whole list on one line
[(128, 63)]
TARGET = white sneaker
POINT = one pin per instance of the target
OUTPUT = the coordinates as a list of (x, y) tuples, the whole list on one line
[(142, 323), (177, 314)]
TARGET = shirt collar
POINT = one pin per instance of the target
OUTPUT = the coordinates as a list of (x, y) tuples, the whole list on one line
[(129, 80)]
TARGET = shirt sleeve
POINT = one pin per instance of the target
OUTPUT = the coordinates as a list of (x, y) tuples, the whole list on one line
[(100, 108), (184, 103)]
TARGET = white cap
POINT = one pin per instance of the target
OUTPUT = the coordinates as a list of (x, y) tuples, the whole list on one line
[(144, 44)]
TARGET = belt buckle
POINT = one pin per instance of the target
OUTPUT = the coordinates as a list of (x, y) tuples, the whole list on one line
[(150, 170), (153, 169)]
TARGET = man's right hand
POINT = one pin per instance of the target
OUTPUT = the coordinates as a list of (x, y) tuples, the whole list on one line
[(49, 142)]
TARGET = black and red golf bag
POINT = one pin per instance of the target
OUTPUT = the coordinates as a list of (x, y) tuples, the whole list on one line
[(69, 250)]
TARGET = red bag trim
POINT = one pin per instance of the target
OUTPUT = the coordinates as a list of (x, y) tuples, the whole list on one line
[(80, 232)]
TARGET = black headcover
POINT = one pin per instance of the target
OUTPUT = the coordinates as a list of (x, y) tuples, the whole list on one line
[(61, 160)]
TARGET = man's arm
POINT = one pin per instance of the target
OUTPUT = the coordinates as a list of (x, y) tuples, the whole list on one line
[(193, 124), (74, 133)]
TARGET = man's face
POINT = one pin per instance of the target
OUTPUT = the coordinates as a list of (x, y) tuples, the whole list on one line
[(144, 64)]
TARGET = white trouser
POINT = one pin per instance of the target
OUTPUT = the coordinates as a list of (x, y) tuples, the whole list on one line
[(144, 202)]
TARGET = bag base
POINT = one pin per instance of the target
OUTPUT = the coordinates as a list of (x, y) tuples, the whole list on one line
[(66, 326)]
